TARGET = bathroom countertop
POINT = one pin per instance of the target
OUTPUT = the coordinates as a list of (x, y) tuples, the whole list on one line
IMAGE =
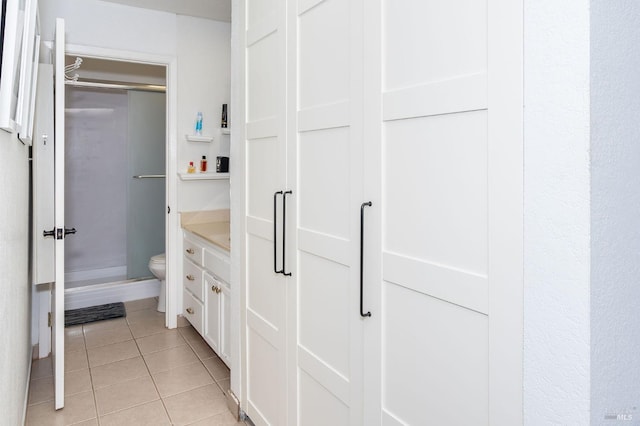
[(216, 233), (211, 225)]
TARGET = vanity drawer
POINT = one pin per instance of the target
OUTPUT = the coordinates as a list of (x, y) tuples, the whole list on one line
[(218, 264), (192, 278), (193, 310), (192, 250)]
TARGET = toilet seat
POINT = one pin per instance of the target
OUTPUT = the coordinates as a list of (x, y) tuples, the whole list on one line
[(158, 259)]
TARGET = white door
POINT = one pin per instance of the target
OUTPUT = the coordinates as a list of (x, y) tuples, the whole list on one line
[(43, 247), (449, 301), (267, 288), (328, 165), (60, 231)]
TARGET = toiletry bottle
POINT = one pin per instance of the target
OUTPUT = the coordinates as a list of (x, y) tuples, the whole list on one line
[(223, 121), (203, 164), (199, 124), (191, 168)]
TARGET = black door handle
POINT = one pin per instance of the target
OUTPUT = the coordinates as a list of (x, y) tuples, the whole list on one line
[(367, 204), (284, 227), (275, 263), (57, 233)]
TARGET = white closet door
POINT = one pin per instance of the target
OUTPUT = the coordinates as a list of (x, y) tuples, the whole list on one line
[(444, 218), (328, 139), (266, 292)]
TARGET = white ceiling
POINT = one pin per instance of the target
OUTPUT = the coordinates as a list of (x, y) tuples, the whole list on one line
[(219, 10)]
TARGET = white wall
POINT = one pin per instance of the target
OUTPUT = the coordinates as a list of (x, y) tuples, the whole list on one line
[(204, 73), (556, 223), (15, 351), (615, 209), (109, 25)]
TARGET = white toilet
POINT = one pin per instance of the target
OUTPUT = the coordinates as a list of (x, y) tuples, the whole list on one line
[(158, 267)]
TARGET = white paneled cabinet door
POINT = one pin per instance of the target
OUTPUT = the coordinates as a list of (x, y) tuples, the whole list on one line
[(212, 296), (450, 175), (266, 287), (414, 105), (328, 135)]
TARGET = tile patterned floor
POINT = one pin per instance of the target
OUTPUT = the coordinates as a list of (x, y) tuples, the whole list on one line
[(133, 371)]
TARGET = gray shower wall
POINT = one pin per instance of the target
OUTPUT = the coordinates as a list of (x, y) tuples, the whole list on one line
[(96, 182)]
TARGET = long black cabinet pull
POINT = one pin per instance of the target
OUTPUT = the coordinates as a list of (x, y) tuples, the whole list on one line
[(284, 227), (275, 262), (367, 204)]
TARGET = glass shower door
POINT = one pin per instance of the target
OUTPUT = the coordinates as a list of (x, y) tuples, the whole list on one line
[(146, 189)]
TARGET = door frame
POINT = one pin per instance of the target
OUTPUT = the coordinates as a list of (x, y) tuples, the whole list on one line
[(172, 225)]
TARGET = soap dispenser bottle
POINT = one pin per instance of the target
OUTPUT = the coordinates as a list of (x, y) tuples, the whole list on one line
[(199, 124)]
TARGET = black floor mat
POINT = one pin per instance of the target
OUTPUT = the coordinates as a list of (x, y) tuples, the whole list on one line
[(94, 313)]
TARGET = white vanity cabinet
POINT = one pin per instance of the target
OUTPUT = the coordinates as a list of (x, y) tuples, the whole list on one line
[(206, 270)]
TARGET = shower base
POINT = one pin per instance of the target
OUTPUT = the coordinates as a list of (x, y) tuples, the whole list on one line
[(82, 296)]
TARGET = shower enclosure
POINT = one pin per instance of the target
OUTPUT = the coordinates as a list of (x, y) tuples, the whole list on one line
[(115, 186)]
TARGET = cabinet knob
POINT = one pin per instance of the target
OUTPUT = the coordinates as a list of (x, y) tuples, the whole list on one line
[(190, 251), (190, 310), (190, 277), (214, 288)]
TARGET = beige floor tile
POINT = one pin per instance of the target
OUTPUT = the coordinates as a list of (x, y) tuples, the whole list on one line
[(160, 341), (105, 324), (183, 322), (125, 395), (170, 358), (41, 368), (77, 408), (149, 414), (181, 379), (118, 372), (74, 342), (222, 419), (202, 349), (217, 368), (73, 330), (147, 327), (103, 337), (41, 390), (144, 315), (75, 360), (73, 338), (92, 422), (224, 385), (198, 404), (190, 334), (136, 305), (112, 353), (77, 381)]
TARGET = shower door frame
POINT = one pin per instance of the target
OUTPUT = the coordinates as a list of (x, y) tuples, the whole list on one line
[(171, 223)]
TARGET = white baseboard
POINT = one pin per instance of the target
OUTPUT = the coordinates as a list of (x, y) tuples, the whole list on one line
[(82, 297)]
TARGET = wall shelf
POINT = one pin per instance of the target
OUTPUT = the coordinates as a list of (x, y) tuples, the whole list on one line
[(196, 138), (203, 176)]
